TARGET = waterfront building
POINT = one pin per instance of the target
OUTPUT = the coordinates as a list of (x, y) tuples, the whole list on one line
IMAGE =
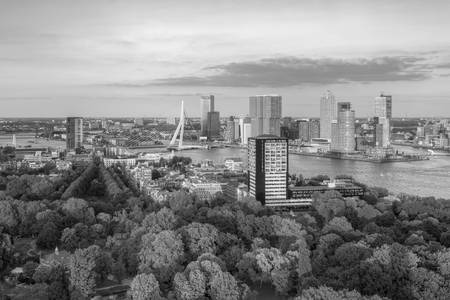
[(265, 114), (328, 114), (74, 133), (383, 111), (268, 168), (213, 125), (344, 129), (308, 129), (245, 128), (237, 132), (230, 130), (206, 106)]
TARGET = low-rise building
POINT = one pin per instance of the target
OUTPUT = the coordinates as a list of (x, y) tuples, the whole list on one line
[(129, 162)]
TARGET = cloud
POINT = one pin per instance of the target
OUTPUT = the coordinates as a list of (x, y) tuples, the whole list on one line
[(293, 71)]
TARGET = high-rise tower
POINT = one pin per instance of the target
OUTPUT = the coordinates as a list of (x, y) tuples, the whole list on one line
[(343, 138), (206, 106), (265, 113), (383, 113), (328, 114), (268, 168), (74, 132)]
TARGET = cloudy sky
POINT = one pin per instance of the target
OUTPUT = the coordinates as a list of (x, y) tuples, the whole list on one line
[(141, 58)]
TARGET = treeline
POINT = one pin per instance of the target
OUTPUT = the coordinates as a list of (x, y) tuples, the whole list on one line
[(80, 185), (377, 247)]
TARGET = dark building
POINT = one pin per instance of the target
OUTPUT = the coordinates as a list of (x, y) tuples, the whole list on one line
[(268, 168), (74, 133)]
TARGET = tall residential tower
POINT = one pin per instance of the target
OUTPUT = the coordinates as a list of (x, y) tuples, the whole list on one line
[(383, 115), (268, 168), (265, 112), (209, 118), (343, 138), (328, 114), (74, 132)]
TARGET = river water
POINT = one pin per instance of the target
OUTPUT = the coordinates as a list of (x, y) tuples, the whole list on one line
[(423, 178)]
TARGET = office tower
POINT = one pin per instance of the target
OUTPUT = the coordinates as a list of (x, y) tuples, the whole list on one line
[(74, 132), (237, 132), (383, 110), (265, 113), (206, 106), (314, 129), (383, 106), (245, 129), (308, 129), (343, 139), (230, 130), (328, 114), (213, 125), (268, 168), (303, 130)]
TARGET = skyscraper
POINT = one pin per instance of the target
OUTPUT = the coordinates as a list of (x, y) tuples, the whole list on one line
[(383, 111), (74, 132), (328, 114), (245, 129), (206, 106), (268, 168), (230, 135), (265, 113), (308, 129), (213, 125), (343, 138)]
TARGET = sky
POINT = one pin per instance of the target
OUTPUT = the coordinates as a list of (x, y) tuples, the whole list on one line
[(141, 58)]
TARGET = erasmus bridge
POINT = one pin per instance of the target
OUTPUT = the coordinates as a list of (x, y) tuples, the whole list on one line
[(179, 132)]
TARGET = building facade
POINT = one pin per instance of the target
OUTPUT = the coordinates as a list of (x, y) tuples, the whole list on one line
[(343, 140), (206, 106), (328, 114), (230, 130), (268, 168), (265, 114), (383, 111), (213, 125), (308, 129), (245, 129), (74, 135)]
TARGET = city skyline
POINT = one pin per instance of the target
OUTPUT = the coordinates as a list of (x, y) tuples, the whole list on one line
[(110, 58)]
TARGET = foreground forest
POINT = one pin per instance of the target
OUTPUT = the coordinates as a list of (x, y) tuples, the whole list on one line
[(374, 247)]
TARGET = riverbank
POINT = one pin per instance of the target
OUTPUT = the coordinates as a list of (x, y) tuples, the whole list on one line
[(363, 158)]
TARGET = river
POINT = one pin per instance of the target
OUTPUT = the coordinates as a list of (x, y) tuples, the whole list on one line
[(423, 178)]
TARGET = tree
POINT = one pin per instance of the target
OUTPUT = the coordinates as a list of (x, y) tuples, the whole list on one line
[(161, 254), (156, 174), (427, 284), (200, 238), (326, 293), (28, 270), (8, 216), (191, 287), (86, 267), (443, 260), (223, 286), (6, 250), (48, 237), (145, 287), (79, 210), (164, 219)]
